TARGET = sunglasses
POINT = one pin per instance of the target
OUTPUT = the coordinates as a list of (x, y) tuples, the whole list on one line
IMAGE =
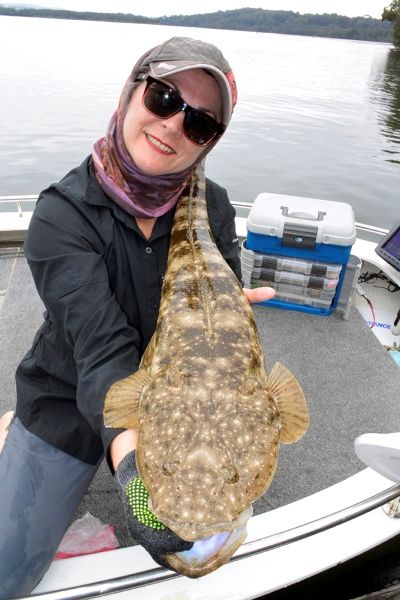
[(164, 102)]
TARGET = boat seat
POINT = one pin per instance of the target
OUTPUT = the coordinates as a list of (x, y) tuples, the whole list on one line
[(381, 452)]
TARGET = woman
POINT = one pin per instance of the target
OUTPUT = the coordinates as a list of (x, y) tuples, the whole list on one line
[(97, 247)]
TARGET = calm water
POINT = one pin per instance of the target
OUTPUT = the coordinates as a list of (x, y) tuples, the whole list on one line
[(316, 117)]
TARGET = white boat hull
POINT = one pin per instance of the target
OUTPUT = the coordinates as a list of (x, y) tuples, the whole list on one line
[(252, 576)]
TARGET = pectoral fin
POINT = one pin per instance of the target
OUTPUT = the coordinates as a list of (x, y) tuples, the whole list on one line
[(287, 393), (121, 405)]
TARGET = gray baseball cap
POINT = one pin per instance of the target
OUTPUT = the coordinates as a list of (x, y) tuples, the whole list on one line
[(181, 54)]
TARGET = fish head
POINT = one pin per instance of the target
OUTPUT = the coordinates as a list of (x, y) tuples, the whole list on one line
[(205, 453)]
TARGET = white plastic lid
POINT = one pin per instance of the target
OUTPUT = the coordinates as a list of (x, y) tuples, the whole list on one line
[(334, 220)]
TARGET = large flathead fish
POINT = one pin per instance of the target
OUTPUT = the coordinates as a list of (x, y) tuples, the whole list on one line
[(210, 420)]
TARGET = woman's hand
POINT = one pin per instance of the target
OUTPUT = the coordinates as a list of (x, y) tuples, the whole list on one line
[(121, 445), (143, 525), (259, 294)]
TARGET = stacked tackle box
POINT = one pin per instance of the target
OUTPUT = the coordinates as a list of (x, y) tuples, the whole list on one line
[(301, 248)]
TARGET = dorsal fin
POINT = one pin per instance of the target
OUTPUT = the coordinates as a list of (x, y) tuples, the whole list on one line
[(121, 406), (287, 393)]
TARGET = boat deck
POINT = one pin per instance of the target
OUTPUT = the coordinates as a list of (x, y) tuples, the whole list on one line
[(350, 382)]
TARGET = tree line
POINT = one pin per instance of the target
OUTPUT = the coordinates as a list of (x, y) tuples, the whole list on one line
[(392, 14), (243, 19)]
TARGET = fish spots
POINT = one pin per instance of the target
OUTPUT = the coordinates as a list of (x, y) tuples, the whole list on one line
[(222, 363), (208, 439)]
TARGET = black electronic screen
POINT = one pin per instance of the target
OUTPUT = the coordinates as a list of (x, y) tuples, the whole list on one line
[(389, 247)]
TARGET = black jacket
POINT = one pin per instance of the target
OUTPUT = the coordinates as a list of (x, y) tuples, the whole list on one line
[(100, 281)]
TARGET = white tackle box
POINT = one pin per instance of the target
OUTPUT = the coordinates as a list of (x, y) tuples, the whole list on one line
[(302, 242)]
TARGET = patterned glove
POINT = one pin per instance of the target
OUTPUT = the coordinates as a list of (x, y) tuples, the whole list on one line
[(143, 525)]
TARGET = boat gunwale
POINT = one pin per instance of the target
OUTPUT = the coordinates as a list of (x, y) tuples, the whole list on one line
[(247, 550), (20, 200)]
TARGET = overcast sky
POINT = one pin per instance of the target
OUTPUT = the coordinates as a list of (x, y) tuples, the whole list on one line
[(157, 8)]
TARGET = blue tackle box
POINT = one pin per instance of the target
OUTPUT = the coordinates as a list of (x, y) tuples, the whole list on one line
[(298, 245)]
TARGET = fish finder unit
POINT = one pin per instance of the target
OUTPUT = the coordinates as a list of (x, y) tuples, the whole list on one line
[(389, 247)]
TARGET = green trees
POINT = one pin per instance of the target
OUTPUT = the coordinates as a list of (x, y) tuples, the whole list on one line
[(392, 13), (248, 19)]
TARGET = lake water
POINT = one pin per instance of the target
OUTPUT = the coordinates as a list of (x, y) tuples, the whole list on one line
[(315, 117)]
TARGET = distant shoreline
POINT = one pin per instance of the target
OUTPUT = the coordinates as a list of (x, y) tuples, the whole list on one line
[(243, 19)]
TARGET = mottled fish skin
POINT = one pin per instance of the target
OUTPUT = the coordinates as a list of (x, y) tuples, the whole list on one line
[(209, 430)]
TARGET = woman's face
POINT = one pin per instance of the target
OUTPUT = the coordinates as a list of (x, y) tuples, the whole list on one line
[(158, 146)]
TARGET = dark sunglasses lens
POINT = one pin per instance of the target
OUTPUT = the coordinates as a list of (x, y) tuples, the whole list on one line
[(164, 102), (161, 100), (199, 127)]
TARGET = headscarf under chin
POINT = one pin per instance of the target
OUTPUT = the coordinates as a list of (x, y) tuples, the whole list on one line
[(139, 194)]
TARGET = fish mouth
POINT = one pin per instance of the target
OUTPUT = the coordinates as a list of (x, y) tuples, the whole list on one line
[(206, 555)]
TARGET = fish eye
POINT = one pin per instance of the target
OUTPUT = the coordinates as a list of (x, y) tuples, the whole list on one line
[(230, 474), (248, 387), (174, 377), (170, 467)]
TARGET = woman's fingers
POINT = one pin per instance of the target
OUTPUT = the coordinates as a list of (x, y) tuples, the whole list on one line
[(259, 294)]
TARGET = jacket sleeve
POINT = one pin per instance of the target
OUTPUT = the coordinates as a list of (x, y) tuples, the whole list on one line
[(64, 253), (222, 223)]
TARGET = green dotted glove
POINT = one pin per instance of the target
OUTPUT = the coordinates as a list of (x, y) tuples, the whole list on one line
[(143, 525)]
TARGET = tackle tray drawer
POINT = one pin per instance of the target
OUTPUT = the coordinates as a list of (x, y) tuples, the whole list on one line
[(252, 259), (295, 290), (303, 301), (298, 279)]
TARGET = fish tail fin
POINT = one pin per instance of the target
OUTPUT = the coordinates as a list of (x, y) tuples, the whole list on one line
[(287, 393), (121, 405)]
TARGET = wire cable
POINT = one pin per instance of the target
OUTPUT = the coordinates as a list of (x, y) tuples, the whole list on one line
[(373, 277), (362, 293)]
